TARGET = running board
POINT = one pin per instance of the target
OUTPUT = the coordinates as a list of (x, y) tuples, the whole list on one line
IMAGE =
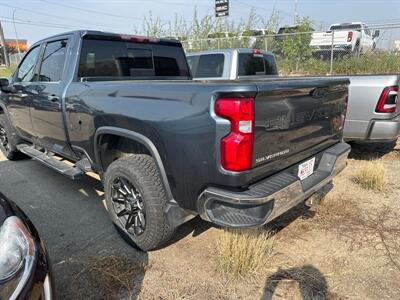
[(68, 170)]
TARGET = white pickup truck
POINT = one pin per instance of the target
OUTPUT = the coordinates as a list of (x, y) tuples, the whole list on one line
[(348, 39)]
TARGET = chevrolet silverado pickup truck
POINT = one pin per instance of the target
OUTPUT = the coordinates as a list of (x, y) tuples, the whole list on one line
[(167, 148)]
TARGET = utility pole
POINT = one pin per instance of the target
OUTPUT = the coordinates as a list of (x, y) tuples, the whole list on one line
[(295, 12), (16, 35), (3, 43)]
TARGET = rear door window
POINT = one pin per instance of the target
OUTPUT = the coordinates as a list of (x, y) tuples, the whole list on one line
[(116, 59), (210, 65)]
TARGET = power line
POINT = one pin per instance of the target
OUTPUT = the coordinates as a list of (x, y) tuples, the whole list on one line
[(50, 15), (41, 24), (93, 11)]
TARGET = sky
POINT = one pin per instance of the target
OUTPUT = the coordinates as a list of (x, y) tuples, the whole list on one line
[(48, 17)]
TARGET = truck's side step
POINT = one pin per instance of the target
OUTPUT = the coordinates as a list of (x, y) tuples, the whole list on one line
[(64, 168)]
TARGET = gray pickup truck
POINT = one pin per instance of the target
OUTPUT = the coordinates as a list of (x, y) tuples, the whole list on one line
[(373, 113), (167, 148)]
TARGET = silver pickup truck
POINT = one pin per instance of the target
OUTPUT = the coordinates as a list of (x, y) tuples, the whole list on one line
[(231, 64), (373, 114)]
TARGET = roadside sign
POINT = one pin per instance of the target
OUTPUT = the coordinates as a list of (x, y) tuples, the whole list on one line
[(221, 8)]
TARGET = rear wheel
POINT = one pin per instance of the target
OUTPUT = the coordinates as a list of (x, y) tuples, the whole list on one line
[(7, 147), (136, 201)]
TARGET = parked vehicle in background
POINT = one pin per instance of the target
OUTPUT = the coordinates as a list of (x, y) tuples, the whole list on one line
[(231, 64), (238, 153), (348, 39), (373, 112), (252, 35), (221, 35), (24, 266)]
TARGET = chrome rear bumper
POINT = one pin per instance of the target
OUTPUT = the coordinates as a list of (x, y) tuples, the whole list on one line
[(271, 197)]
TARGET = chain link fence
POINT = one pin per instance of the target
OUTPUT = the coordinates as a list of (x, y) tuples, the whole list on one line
[(372, 50), (15, 58)]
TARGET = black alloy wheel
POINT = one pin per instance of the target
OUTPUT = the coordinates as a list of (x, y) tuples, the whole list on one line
[(128, 206)]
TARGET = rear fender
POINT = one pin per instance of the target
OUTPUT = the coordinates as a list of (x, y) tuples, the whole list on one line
[(175, 214)]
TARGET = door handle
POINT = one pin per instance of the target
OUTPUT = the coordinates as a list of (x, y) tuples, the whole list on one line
[(22, 95), (54, 98)]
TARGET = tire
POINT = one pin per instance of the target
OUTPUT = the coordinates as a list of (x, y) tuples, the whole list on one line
[(147, 201), (7, 146), (357, 50)]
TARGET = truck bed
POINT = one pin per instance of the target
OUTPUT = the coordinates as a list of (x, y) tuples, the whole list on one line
[(294, 119)]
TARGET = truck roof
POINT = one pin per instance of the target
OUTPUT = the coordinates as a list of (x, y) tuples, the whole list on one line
[(242, 50), (117, 36), (347, 23)]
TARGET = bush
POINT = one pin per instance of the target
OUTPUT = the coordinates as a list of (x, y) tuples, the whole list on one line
[(6, 72), (372, 175), (243, 252), (369, 63)]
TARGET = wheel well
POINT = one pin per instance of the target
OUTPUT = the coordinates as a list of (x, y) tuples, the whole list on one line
[(1, 110), (112, 147)]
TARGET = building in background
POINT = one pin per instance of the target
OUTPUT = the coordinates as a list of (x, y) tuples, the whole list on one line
[(12, 43)]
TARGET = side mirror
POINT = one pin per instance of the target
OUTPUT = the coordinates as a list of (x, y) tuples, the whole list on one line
[(4, 82), (5, 86), (376, 33)]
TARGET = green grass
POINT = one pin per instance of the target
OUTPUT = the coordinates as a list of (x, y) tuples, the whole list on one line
[(370, 63), (7, 71)]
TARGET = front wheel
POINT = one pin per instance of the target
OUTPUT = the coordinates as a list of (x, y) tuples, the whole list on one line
[(136, 201), (7, 147)]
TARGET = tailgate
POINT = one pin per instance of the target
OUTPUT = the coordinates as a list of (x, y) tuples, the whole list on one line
[(325, 38), (295, 117)]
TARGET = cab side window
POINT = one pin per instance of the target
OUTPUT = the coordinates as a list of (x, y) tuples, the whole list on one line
[(53, 61), (26, 70)]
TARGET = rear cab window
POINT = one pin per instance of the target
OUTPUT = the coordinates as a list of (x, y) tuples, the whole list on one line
[(207, 65), (251, 64), (104, 58)]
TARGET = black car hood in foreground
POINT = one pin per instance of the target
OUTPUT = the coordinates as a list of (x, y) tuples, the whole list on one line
[(34, 287)]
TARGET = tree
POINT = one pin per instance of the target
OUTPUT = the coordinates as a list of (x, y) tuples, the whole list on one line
[(296, 48)]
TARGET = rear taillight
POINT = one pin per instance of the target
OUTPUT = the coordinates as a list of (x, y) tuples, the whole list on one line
[(349, 36), (343, 115), (237, 146), (388, 100), (257, 52)]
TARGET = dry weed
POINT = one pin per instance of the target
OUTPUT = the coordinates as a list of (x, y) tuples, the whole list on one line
[(377, 230), (372, 175), (243, 252), (113, 275)]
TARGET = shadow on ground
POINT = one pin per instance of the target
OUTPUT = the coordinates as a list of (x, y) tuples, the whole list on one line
[(285, 283), (89, 259), (371, 151)]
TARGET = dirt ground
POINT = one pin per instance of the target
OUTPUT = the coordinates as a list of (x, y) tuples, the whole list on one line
[(348, 249)]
